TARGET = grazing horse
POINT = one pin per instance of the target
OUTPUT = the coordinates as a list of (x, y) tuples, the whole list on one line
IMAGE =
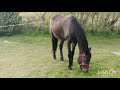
[(67, 28)]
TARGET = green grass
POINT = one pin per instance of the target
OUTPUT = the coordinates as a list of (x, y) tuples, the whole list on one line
[(31, 57)]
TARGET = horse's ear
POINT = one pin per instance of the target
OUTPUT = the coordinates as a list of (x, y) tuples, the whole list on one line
[(90, 49)]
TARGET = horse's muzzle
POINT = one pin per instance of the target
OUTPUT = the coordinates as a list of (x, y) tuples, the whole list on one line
[(84, 68)]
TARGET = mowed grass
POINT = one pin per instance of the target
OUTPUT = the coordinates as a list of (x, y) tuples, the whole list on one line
[(31, 57)]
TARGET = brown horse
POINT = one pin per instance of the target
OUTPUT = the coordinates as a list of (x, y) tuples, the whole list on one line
[(68, 28)]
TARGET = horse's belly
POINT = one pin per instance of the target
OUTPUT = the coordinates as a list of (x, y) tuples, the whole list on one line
[(60, 36)]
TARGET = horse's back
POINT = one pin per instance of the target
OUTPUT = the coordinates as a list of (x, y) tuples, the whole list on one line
[(61, 26)]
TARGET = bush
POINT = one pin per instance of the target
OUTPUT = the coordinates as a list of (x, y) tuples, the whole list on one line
[(9, 18)]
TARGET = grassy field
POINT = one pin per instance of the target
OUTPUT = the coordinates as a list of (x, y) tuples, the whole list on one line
[(31, 57)]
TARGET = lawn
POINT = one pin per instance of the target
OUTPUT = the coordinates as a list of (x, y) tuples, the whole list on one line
[(31, 57)]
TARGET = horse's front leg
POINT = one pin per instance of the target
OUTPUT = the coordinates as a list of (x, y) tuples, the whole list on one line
[(69, 55), (60, 47), (73, 50)]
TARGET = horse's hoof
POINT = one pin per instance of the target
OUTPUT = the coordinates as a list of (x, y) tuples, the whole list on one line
[(54, 58), (62, 59), (70, 68)]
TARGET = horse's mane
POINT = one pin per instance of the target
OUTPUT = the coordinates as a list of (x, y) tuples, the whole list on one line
[(80, 34)]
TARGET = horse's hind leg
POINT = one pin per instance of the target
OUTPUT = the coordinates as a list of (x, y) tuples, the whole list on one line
[(60, 47), (54, 45)]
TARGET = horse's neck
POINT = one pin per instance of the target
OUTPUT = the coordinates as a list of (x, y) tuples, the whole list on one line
[(83, 44)]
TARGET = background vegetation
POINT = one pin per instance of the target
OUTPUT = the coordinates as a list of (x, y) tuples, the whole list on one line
[(27, 51), (9, 18), (36, 23)]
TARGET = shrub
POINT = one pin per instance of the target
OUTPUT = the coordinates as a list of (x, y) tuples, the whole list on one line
[(7, 19)]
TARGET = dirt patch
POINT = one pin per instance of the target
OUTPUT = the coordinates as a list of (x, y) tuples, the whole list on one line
[(117, 53), (7, 42)]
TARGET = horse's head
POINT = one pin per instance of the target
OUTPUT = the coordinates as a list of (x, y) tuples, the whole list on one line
[(84, 60)]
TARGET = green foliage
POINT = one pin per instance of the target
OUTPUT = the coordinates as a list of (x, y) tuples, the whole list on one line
[(102, 23), (94, 22), (9, 18)]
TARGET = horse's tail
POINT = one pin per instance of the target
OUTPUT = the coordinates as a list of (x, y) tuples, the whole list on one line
[(50, 28), (51, 23)]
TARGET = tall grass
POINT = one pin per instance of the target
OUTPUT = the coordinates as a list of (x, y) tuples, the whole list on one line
[(31, 30)]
